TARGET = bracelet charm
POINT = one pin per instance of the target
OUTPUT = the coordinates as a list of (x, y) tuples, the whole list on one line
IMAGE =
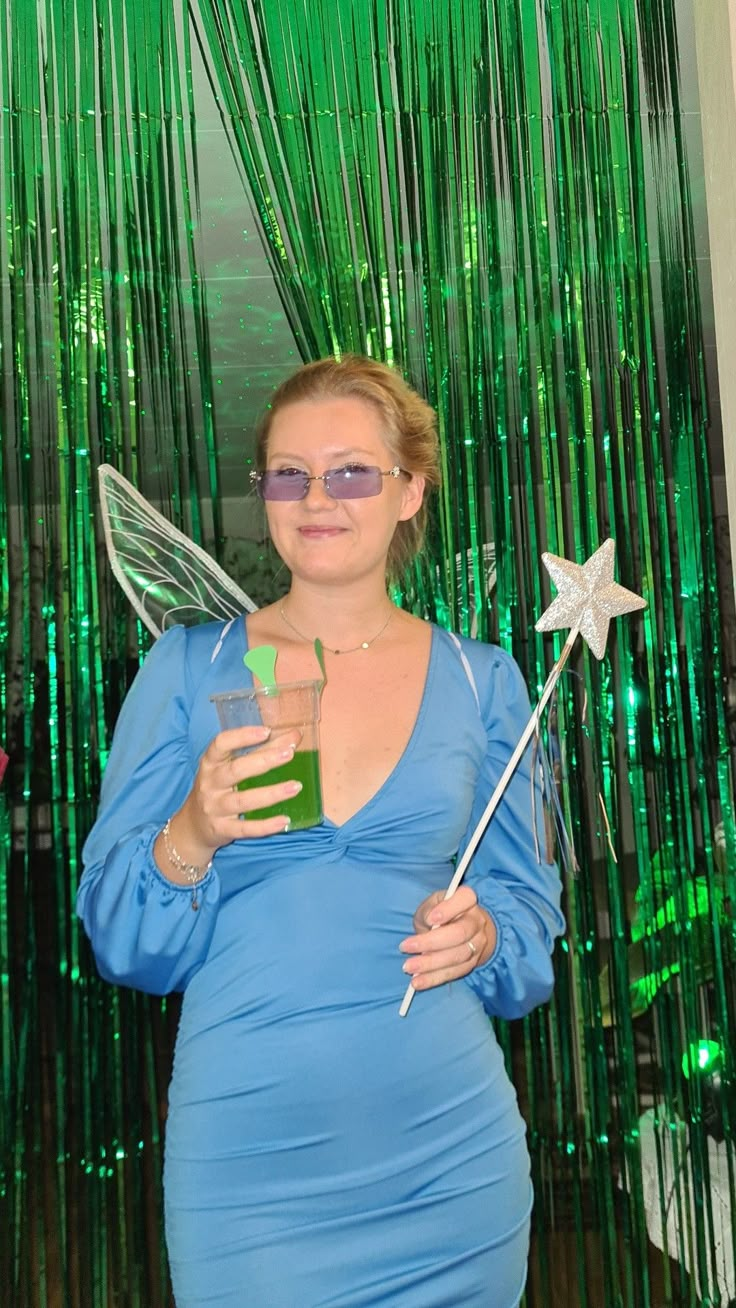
[(191, 871)]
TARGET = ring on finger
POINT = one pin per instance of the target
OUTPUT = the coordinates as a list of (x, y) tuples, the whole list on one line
[(472, 948)]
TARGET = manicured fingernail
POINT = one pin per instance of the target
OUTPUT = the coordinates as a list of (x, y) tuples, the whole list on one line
[(287, 825), (287, 752), (263, 733), (294, 787), (409, 966)]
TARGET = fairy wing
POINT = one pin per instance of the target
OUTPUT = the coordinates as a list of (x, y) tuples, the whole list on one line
[(167, 578), (488, 573)]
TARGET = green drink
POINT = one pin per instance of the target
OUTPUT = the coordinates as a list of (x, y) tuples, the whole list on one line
[(283, 709), (304, 809)]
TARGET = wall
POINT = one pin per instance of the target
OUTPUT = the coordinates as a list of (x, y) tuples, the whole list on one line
[(715, 46)]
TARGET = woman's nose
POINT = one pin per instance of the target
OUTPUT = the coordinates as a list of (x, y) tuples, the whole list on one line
[(317, 497)]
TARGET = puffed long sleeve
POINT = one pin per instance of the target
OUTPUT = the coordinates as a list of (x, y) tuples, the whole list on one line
[(143, 928), (521, 894)]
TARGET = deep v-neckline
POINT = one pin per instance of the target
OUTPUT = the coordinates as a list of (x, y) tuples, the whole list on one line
[(408, 747)]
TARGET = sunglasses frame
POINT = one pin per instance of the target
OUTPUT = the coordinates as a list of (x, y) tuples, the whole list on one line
[(257, 479)]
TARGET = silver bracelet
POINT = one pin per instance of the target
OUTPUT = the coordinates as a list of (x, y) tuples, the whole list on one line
[(193, 873)]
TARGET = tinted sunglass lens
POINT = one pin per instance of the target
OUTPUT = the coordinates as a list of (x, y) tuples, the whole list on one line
[(354, 483), (282, 486)]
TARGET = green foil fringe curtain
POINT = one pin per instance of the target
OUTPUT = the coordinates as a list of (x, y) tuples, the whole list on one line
[(496, 198)]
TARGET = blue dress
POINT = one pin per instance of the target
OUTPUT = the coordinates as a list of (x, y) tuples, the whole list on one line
[(321, 1151)]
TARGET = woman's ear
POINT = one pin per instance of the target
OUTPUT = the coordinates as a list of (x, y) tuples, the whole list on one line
[(413, 495)]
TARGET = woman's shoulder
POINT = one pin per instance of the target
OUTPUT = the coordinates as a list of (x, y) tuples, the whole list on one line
[(190, 649), (481, 653), (493, 673), (186, 633)]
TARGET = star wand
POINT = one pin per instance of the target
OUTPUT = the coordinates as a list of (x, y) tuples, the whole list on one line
[(586, 601)]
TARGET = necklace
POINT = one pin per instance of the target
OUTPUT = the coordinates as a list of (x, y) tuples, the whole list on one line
[(364, 644)]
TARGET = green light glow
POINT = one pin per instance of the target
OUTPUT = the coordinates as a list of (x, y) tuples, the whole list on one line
[(705, 1056)]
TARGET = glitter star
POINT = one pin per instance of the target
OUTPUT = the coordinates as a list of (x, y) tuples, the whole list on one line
[(587, 596)]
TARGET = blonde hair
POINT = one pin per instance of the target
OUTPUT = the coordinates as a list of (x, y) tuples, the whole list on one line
[(409, 423)]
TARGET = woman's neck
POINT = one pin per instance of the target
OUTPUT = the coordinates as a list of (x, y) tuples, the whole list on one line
[(338, 615)]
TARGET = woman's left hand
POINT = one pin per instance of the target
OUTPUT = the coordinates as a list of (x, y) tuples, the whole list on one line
[(453, 936)]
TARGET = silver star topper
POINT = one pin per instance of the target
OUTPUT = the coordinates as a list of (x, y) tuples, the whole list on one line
[(587, 596)]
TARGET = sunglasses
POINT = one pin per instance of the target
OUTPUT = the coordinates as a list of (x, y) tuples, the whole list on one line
[(354, 481)]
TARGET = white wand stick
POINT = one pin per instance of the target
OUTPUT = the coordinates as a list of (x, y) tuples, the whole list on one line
[(503, 782), (587, 599)]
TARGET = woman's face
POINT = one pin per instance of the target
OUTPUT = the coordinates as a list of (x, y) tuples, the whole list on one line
[(328, 540)]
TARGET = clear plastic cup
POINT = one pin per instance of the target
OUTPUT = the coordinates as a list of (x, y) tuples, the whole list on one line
[(282, 708)]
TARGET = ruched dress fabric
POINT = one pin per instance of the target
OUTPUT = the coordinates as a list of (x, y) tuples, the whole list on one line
[(321, 1151)]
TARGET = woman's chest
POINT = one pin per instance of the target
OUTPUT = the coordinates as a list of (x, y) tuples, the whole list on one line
[(366, 727)]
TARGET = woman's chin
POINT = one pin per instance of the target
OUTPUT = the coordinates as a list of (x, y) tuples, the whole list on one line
[(333, 572), (325, 574)]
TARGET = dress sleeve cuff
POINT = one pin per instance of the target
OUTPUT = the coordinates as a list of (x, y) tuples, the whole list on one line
[(499, 942), (154, 881), (518, 975), (142, 928)]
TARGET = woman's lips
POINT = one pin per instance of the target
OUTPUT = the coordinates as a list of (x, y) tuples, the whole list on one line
[(320, 533)]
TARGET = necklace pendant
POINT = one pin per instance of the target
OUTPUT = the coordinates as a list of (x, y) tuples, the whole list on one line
[(364, 644)]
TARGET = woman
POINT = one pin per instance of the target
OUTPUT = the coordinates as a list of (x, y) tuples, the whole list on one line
[(320, 1150)]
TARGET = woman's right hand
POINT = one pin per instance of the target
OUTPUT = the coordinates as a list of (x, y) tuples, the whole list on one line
[(211, 814)]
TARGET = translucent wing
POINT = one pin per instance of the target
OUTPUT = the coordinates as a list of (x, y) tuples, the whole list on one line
[(488, 572), (167, 578)]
